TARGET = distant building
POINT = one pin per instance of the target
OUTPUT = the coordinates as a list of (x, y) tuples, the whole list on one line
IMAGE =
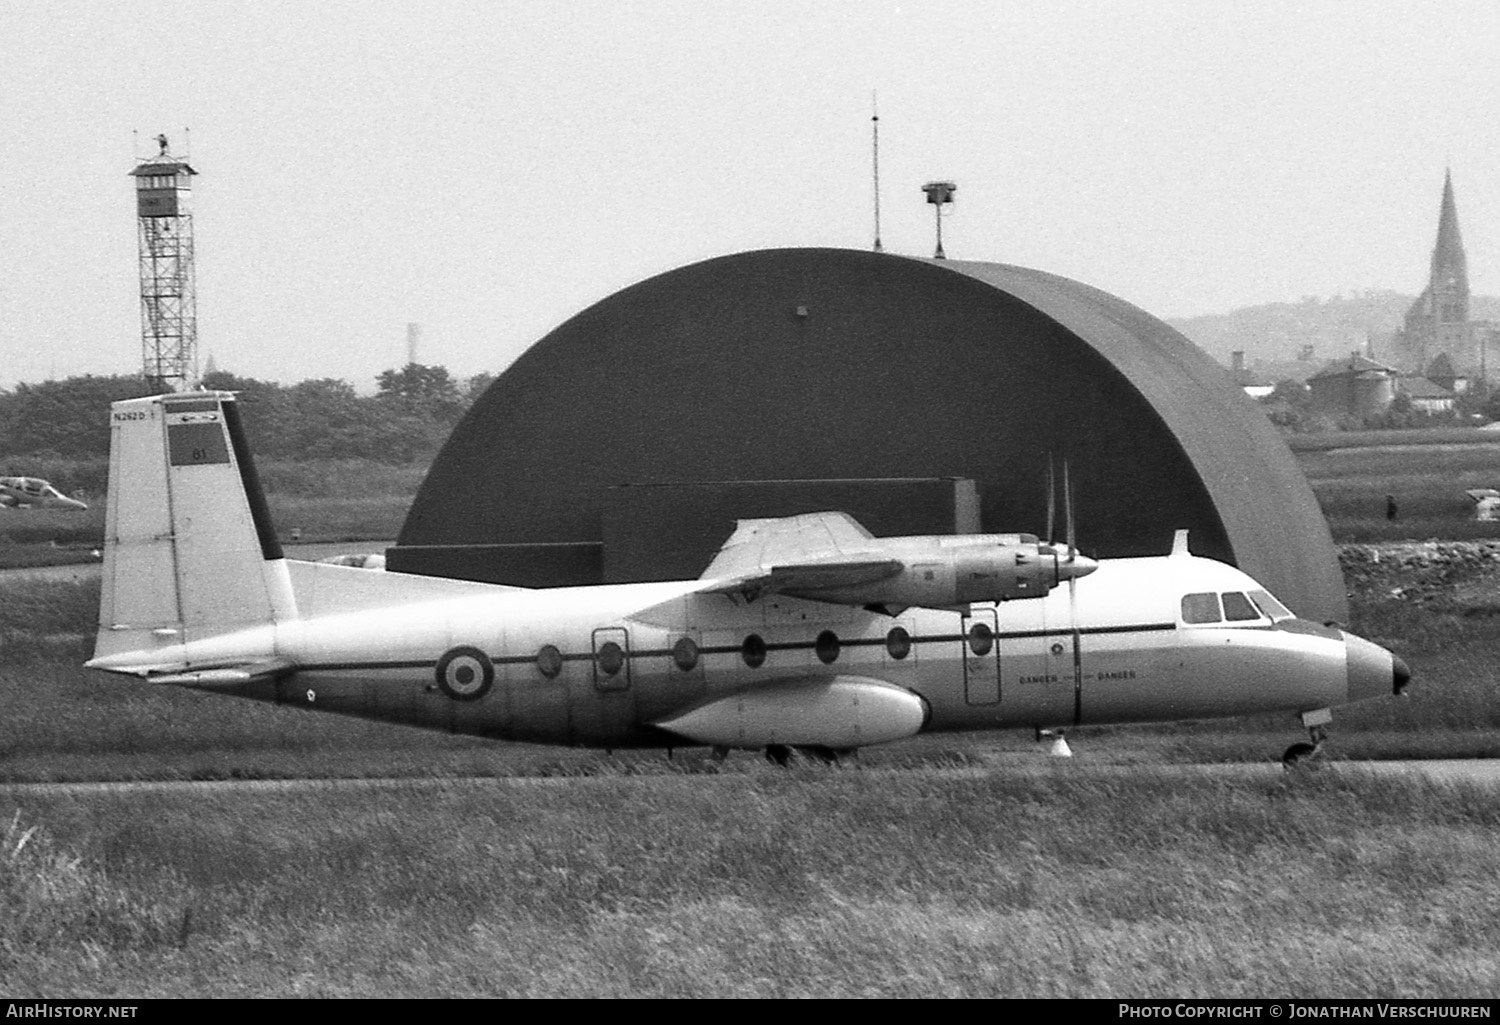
[(1251, 383), (1426, 396), (1440, 372), (1356, 386)]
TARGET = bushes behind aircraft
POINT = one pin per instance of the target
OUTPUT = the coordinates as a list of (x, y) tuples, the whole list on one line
[(406, 421)]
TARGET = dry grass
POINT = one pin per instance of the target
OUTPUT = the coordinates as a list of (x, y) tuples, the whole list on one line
[(1053, 882)]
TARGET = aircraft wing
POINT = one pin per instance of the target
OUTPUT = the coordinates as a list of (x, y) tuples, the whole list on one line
[(792, 554), (815, 576), (758, 545)]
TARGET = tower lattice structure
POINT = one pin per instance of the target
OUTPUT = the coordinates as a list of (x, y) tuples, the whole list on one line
[(169, 304)]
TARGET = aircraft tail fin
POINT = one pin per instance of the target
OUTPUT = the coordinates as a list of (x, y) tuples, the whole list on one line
[(190, 551)]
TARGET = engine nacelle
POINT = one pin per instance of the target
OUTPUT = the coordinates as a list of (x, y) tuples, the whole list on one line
[(957, 574)]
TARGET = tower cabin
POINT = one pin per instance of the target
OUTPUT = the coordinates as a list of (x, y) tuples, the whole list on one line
[(163, 188)]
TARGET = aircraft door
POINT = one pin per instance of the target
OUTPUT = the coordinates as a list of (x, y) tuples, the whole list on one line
[(981, 656)]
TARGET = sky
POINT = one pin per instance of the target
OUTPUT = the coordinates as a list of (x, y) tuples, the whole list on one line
[(489, 169)]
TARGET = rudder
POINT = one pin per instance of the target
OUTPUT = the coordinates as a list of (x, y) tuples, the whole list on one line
[(190, 551)]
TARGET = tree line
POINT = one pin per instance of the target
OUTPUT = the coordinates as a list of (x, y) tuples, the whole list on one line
[(407, 420)]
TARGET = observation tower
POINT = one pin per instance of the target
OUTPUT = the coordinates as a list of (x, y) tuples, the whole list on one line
[(169, 305)]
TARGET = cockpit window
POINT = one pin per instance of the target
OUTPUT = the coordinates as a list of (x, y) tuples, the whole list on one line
[(1270, 606), (1238, 608), (1200, 608)]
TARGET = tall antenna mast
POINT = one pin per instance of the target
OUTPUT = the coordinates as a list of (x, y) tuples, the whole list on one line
[(875, 132)]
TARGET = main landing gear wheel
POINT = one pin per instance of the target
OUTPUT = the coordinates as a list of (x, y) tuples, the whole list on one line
[(784, 755), (1297, 754)]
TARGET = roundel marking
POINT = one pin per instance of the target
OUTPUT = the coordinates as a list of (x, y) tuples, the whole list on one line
[(465, 673)]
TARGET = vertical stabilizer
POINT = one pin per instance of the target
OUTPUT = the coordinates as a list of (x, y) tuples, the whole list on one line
[(189, 547)]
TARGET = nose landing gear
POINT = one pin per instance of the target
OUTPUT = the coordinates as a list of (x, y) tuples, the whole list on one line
[(1317, 723)]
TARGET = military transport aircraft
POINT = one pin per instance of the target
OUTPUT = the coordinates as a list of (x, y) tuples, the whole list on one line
[(804, 634), (33, 493)]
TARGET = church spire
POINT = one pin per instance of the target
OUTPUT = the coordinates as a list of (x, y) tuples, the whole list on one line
[(1450, 268)]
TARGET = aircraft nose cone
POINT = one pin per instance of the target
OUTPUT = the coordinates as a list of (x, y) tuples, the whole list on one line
[(74, 503), (1373, 671), (1400, 675)]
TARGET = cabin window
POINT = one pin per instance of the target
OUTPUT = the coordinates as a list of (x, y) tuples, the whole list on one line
[(549, 661), (753, 651), (610, 658), (1270, 606), (981, 638), (1200, 608), (685, 654), (1238, 608), (898, 643), (827, 647)]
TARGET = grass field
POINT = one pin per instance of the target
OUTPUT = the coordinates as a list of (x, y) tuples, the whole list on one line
[(1427, 482), (1415, 438), (1052, 882)]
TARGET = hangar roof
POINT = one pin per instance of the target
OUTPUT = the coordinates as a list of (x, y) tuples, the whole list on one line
[(827, 363), (1229, 442)]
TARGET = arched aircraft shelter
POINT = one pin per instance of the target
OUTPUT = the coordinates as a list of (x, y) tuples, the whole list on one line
[(921, 396)]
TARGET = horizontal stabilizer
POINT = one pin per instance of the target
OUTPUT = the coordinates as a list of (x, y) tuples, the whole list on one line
[(226, 676)]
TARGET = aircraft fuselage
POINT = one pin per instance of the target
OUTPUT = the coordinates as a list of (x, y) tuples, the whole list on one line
[(607, 666)]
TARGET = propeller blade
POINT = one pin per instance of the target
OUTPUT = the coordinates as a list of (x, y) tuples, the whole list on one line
[(1051, 500), (1068, 512)]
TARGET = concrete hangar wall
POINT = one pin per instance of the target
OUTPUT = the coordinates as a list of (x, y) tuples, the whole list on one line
[(918, 395)]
